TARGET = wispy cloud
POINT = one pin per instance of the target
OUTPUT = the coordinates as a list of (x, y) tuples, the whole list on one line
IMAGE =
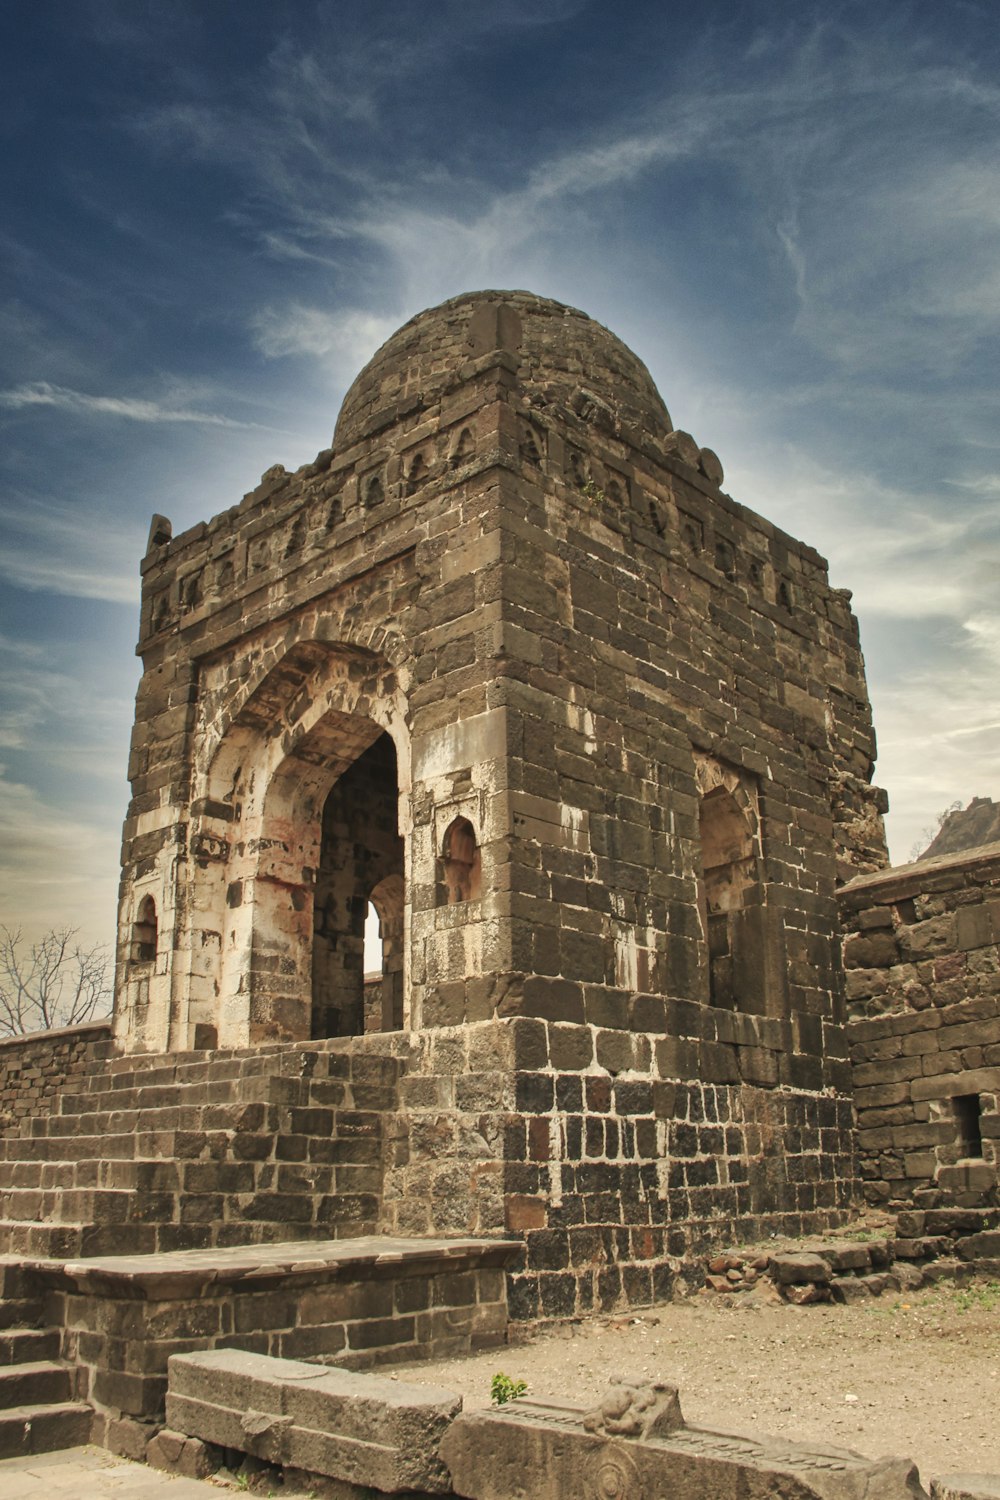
[(345, 339), (69, 549), (41, 393)]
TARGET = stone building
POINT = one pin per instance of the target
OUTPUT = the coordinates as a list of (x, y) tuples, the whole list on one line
[(506, 665), (594, 741)]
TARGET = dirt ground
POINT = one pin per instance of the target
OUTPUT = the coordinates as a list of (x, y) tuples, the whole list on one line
[(913, 1373)]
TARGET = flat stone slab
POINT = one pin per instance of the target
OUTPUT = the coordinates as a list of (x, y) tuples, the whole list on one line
[(95, 1474), (365, 1429), (636, 1445), (966, 1487), (183, 1273)]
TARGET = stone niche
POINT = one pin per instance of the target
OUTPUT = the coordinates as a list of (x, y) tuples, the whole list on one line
[(593, 739)]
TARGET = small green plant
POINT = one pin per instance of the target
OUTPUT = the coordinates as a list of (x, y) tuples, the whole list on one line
[(592, 491), (503, 1389), (985, 1296)]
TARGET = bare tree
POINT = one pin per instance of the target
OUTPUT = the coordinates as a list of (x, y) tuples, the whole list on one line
[(52, 983), (930, 833)]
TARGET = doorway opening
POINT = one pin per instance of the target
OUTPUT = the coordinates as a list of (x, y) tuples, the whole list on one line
[(360, 868)]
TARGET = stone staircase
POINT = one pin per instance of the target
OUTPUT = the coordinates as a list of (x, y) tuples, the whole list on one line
[(199, 1150), (38, 1409)]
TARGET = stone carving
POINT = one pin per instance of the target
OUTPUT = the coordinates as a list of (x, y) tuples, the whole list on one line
[(639, 1411), (635, 1446)]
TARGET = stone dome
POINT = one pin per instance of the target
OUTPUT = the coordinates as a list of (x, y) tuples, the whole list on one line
[(564, 359)]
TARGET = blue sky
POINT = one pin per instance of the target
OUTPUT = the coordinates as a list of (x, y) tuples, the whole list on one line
[(215, 212)]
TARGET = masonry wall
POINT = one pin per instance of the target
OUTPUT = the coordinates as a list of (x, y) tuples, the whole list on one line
[(923, 986), (36, 1070), (612, 1168), (644, 706)]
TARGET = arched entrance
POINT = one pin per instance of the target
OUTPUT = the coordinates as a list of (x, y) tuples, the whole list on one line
[(361, 861), (304, 815)]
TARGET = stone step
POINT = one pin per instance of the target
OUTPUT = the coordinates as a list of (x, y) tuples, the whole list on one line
[(41, 1429), (331, 1059), (313, 1165), (20, 1313), (141, 1224), (24, 1345), (45, 1148), (15, 1281), (35, 1383)]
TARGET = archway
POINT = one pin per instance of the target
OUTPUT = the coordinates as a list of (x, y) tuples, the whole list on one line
[(361, 860), (318, 748)]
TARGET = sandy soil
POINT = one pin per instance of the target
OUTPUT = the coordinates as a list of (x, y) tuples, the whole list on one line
[(913, 1373)]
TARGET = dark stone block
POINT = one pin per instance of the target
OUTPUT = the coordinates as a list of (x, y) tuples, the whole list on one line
[(598, 1091), (522, 1299), (535, 1093), (557, 1293), (569, 1094)]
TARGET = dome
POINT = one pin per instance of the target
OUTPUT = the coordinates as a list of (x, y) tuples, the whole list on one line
[(563, 358)]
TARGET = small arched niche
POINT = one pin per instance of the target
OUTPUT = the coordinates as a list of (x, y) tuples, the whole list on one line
[(729, 884), (384, 955), (460, 864), (144, 933)]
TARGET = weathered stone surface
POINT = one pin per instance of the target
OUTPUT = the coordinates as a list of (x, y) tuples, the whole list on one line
[(179, 1454), (551, 1450), (850, 1289), (847, 1257), (926, 1031), (792, 1268), (594, 741), (966, 1487), (359, 1428)]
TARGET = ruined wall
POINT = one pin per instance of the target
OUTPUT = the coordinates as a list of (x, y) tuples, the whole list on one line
[(923, 984), (36, 1070)]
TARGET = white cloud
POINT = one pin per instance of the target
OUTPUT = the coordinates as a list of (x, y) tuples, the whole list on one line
[(131, 409), (346, 339)]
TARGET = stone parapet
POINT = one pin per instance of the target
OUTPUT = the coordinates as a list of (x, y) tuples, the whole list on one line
[(37, 1070)]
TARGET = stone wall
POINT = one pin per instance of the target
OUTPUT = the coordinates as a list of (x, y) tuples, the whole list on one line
[(36, 1070), (357, 1303), (644, 704), (632, 759), (923, 984), (596, 1149)]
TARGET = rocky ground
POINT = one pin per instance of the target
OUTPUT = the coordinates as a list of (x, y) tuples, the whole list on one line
[(915, 1373)]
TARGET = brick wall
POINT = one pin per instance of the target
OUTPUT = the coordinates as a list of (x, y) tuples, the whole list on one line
[(36, 1069), (923, 986)]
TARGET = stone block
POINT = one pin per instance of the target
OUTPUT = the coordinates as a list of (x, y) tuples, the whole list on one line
[(966, 1487), (847, 1257), (982, 1246), (849, 1289), (361, 1429), (636, 1443), (187, 1457), (791, 1270)]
